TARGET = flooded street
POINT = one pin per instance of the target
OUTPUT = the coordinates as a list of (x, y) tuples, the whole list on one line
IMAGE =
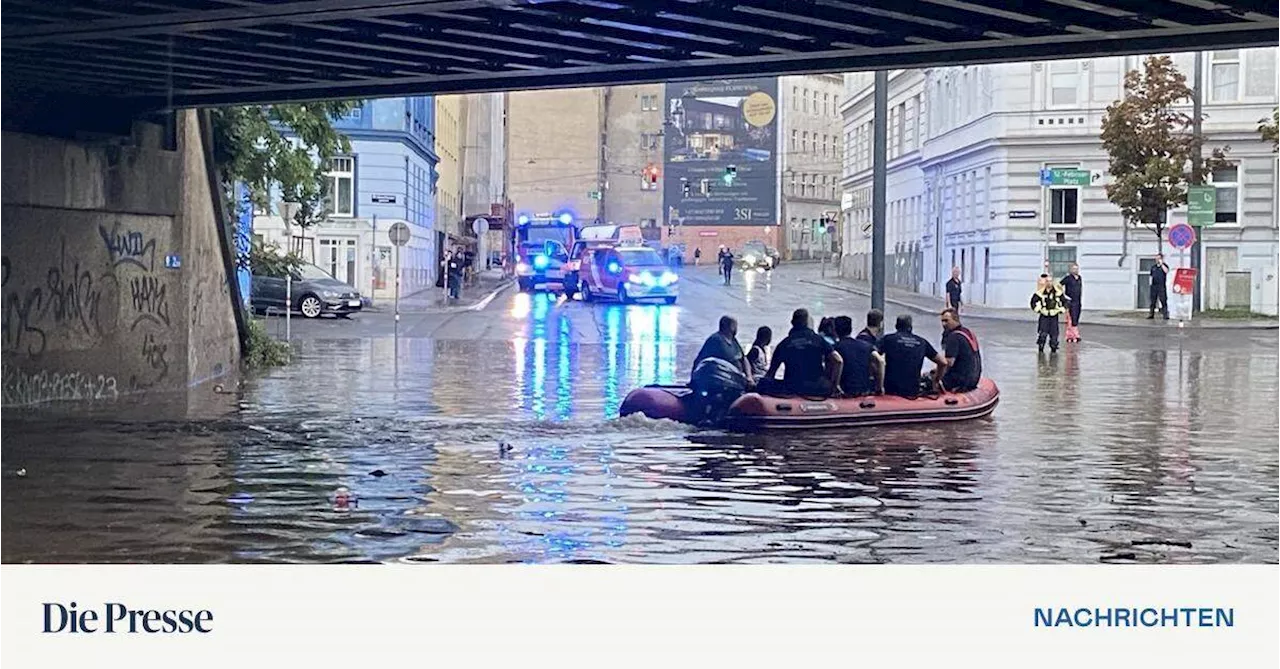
[(492, 436)]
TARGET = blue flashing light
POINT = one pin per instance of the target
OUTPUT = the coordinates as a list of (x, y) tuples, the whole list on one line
[(540, 262), (566, 218), (614, 268), (523, 219)]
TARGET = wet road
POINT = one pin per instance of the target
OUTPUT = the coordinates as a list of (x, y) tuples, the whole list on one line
[(1137, 446)]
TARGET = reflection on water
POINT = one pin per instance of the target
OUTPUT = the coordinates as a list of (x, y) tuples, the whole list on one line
[(507, 451)]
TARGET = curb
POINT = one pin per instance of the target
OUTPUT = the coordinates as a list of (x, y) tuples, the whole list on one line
[(481, 304), (1104, 321)]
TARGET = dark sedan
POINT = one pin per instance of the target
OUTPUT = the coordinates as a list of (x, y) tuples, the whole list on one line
[(315, 293)]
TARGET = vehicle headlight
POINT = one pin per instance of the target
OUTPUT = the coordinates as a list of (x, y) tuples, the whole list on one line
[(648, 279), (541, 262), (750, 258), (522, 267), (330, 293), (634, 278), (668, 278)]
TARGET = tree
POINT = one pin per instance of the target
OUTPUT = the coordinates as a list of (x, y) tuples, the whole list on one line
[(1151, 144), (251, 147), (1270, 129)]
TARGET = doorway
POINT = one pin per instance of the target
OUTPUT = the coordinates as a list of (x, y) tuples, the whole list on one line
[(338, 258)]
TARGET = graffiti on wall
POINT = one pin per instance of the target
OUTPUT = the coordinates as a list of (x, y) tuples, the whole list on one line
[(22, 388)]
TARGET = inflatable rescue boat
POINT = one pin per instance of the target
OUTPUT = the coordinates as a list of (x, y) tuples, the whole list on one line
[(754, 412)]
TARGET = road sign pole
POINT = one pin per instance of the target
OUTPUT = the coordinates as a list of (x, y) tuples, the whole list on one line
[(879, 167), (397, 284)]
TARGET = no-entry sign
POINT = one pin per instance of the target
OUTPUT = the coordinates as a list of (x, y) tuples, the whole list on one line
[(1182, 236)]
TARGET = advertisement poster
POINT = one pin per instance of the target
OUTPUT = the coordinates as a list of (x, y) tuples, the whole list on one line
[(721, 152)]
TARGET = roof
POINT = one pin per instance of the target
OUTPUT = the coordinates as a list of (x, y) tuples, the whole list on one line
[(195, 52)]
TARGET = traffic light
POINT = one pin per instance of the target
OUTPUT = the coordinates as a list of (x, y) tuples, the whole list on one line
[(651, 173), (706, 187), (684, 186), (730, 173)]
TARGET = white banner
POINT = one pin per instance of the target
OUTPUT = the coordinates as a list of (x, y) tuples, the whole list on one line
[(606, 616)]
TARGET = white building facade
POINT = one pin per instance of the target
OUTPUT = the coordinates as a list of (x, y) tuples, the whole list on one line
[(966, 147), (810, 167)]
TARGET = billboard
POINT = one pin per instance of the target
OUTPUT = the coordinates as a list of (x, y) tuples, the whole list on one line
[(712, 128)]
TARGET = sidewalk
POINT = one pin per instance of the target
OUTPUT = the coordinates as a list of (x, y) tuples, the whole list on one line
[(930, 304), (488, 285)]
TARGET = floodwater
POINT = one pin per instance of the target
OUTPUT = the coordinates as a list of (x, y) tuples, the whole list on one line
[(505, 447)]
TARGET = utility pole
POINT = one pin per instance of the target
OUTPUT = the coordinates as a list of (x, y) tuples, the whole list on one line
[(1197, 160), (879, 165)]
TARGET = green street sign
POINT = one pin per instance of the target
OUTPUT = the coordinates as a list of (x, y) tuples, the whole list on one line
[(1062, 176), (593, 195), (1202, 204)]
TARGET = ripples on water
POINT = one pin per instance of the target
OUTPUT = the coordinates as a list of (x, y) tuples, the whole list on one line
[(1162, 459)]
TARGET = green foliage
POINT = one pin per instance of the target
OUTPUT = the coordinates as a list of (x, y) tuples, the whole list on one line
[(1270, 129), (249, 147), (263, 351), (1151, 144), (267, 260)]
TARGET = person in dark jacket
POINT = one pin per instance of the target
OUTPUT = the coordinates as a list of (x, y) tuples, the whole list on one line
[(863, 371), (726, 265), (964, 358), (1048, 302), (811, 366), (1073, 286), (1159, 288), (955, 286), (874, 332)]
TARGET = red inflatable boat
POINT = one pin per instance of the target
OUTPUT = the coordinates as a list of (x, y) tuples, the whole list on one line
[(754, 412)]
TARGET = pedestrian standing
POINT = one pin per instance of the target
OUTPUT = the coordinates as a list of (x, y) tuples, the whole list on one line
[(1159, 288), (697, 256), (954, 288), (1048, 302), (1073, 287), (726, 265), (454, 267)]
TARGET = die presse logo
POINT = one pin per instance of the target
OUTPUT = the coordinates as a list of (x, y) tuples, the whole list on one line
[(115, 618)]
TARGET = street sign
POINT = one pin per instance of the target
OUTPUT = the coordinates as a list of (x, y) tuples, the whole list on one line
[(593, 195), (383, 199), (1184, 280), (1182, 236), (1022, 213), (1061, 176), (480, 226), (708, 233), (399, 234), (1201, 205)]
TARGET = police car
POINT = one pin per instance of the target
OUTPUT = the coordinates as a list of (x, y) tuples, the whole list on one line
[(541, 265)]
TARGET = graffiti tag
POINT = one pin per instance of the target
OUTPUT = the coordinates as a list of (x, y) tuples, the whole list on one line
[(129, 246)]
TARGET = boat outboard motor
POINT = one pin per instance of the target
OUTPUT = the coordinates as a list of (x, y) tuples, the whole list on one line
[(716, 384)]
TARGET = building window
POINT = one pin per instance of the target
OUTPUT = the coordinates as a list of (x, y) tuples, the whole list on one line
[(1224, 75), (1064, 83), (824, 146), (901, 128), (805, 102), (1226, 184), (804, 142), (1260, 77), (793, 141), (1060, 259), (342, 178), (649, 141), (648, 103), (795, 99), (1063, 206), (826, 104)]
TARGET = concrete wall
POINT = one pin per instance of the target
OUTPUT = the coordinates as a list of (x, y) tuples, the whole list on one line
[(93, 317)]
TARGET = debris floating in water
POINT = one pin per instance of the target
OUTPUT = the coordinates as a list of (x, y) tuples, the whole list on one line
[(22, 472), (377, 473), (344, 500)]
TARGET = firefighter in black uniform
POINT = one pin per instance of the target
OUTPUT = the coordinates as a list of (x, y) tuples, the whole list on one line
[(1049, 302)]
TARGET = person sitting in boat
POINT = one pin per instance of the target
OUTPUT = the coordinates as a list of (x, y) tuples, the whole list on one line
[(904, 356), (758, 356), (827, 328), (874, 330), (724, 345), (960, 348), (811, 366), (863, 372)]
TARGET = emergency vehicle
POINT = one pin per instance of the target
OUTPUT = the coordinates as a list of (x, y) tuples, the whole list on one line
[(596, 237), (541, 249), (627, 273)]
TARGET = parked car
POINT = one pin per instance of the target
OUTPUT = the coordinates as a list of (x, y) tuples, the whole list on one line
[(315, 292)]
